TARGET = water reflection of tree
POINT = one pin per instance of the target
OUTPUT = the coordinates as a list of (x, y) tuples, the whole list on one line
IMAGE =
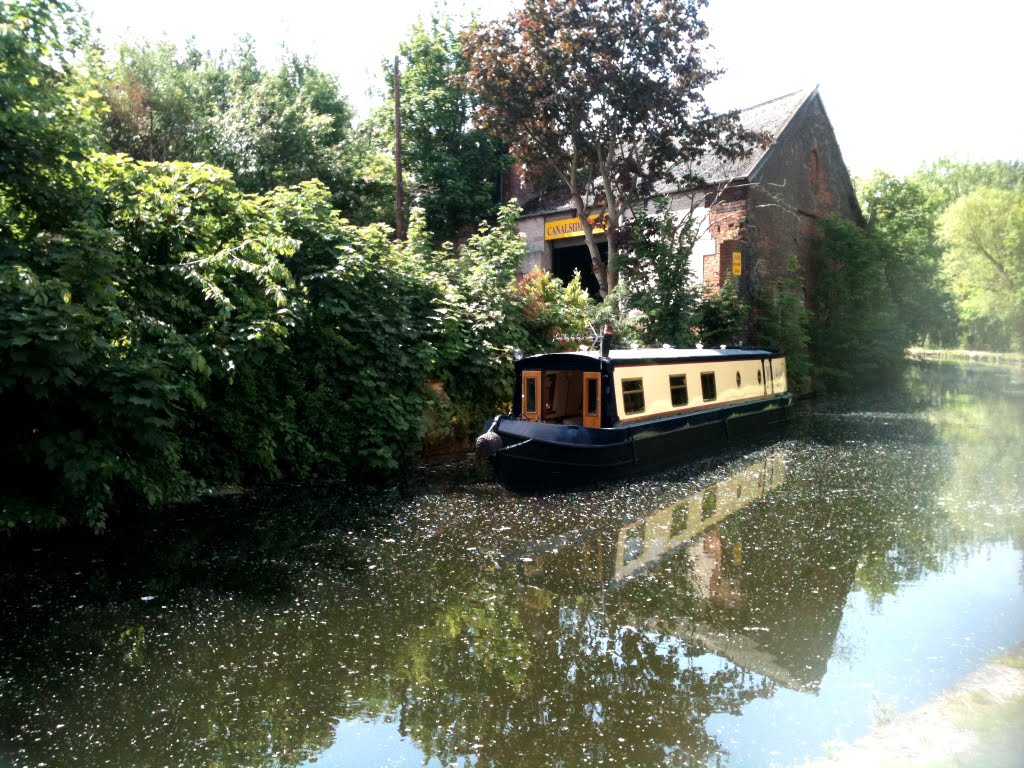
[(564, 685), (982, 420), (465, 658), (880, 463), (961, 488)]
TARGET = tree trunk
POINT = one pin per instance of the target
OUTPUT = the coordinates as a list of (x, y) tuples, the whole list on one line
[(600, 271), (613, 214)]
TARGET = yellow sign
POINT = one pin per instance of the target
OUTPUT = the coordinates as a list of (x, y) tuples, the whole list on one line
[(737, 263), (555, 230)]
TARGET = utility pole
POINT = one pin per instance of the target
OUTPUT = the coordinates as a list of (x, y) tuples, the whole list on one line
[(399, 190)]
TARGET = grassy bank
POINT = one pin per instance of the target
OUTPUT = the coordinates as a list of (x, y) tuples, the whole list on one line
[(966, 355)]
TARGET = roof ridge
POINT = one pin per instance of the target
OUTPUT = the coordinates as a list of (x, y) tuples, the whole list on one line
[(777, 98), (805, 96)]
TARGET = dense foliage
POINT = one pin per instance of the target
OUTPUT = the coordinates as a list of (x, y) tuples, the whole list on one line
[(856, 331), (983, 232), (899, 213), (199, 310), (782, 322), (164, 331)]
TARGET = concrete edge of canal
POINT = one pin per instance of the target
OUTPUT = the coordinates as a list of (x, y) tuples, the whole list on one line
[(979, 722)]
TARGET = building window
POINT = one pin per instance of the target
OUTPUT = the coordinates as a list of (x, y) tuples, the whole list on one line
[(815, 167), (633, 395), (678, 386), (707, 386)]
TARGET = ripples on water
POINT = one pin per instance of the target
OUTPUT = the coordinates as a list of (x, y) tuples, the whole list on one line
[(748, 609)]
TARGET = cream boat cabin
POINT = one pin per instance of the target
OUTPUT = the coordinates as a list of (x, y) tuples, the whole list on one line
[(579, 416)]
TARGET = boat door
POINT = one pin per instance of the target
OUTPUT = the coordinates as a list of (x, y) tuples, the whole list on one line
[(531, 396), (592, 400), (769, 380)]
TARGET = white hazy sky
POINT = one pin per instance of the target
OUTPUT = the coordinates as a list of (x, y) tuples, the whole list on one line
[(904, 81)]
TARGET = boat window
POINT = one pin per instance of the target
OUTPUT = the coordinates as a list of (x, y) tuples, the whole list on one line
[(633, 395), (678, 386), (531, 394), (633, 546), (738, 379), (709, 504), (759, 376), (592, 398), (707, 386)]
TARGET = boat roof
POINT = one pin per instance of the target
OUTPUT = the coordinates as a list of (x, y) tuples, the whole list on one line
[(670, 353), (652, 355)]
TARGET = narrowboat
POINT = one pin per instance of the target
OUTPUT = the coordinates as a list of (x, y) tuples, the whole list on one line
[(583, 416)]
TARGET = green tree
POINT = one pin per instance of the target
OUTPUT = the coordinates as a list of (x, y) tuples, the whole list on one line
[(608, 97), (161, 107), (658, 288), (268, 127), (899, 212), (947, 180), (454, 167), (371, 196), (288, 126), (856, 334), (50, 116), (984, 264)]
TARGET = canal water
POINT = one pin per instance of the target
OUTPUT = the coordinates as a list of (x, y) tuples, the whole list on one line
[(756, 608)]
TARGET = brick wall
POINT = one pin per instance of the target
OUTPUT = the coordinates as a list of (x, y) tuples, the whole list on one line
[(727, 221), (802, 180)]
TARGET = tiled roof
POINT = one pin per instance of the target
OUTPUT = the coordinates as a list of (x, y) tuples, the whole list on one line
[(769, 118)]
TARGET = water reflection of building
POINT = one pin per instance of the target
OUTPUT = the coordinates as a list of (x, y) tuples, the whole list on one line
[(611, 556), (695, 571)]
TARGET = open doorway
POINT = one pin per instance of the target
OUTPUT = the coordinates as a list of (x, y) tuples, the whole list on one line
[(568, 258)]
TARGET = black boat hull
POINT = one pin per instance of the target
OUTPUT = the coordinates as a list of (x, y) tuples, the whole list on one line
[(537, 456)]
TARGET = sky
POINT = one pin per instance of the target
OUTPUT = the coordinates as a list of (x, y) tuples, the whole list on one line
[(904, 82)]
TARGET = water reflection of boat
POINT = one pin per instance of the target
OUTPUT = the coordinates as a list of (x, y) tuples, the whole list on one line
[(698, 573), (642, 542)]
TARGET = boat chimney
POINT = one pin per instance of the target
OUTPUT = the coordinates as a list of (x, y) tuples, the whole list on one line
[(606, 341)]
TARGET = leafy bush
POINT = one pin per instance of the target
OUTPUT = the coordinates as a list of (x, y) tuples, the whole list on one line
[(163, 332), (782, 322), (181, 335), (487, 314), (721, 317)]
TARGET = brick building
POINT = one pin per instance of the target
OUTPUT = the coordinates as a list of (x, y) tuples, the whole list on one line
[(753, 213)]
